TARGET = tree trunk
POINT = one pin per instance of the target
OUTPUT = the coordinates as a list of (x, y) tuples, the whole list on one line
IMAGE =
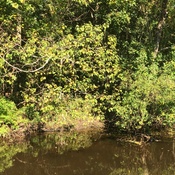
[(161, 23)]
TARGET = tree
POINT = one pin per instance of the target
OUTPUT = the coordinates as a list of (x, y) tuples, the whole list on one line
[(74, 51)]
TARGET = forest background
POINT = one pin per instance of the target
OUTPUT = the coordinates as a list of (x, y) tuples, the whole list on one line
[(69, 61)]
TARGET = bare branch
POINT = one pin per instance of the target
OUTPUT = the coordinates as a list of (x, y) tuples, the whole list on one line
[(27, 71)]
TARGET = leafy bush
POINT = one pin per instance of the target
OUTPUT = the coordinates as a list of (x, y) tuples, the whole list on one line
[(58, 109), (7, 112), (54, 108), (10, 116), (148, 99)]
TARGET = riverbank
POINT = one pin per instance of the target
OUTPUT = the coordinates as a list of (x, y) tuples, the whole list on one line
[(24, 130)]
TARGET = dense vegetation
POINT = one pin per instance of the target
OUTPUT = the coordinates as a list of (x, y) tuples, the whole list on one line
[(68, 60)]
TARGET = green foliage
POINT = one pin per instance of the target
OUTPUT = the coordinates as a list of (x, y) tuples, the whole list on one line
[(84, 2), (109, 56), (55, 110), (4, 130), (148, 100), (7, 112), (10, 117)]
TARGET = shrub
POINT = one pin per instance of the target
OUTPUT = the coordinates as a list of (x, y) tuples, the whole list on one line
[(148, 100), (10, 116)]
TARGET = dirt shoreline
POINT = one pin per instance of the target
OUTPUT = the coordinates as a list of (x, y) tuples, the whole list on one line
[(25, 130)]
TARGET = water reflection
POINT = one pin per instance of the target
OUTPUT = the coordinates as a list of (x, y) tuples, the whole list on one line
[(8, 151), (91, 154)]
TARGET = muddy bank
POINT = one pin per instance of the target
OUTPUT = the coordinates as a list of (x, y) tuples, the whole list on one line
[(25, 130)]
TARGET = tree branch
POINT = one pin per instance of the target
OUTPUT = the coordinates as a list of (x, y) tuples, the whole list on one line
[(27, 71)]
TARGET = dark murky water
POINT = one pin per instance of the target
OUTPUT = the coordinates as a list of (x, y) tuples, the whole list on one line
[(86, 154)]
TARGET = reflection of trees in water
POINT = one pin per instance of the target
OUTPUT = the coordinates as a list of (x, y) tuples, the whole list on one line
[(63, 142), (173, 149), (152, 159), (144, 164), (8, 151), (52, 154), (38, 148), (171, 169), (161, 158), (135, 163), (107, 157)]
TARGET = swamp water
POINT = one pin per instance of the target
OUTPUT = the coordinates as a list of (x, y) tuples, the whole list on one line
[(86, 154)]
